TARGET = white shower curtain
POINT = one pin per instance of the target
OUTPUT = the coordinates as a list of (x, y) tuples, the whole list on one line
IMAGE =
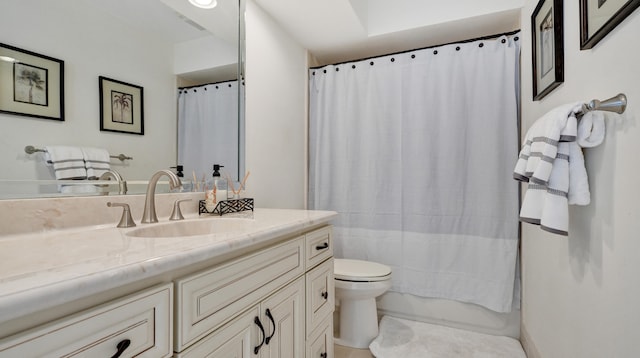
[(208, 129), (415, 151)]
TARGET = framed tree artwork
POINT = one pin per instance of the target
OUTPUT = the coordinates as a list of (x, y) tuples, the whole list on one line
[(547, 47), (121, 107), (31, 84)]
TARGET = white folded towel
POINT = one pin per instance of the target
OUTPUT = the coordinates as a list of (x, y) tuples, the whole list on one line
[(552, 162), (579, 193), (96, 161), (67, 161), (591, 129), (541, 143)]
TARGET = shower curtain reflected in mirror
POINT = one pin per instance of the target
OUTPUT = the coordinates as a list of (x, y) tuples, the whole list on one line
[(208, 129), (415, 151)]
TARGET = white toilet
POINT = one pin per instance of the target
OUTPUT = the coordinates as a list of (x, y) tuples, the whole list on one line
[(357, 284)]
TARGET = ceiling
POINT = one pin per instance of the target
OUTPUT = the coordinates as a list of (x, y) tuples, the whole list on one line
[(332, 30), (342, 30), (174, 20)]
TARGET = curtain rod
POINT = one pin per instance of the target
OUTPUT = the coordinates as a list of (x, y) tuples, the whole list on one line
[(207, 84), (489, 37)]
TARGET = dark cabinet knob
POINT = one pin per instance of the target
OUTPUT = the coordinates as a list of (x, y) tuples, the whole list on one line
[(325, 295)]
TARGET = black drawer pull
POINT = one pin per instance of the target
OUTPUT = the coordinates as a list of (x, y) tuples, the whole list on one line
[(122, 346), (259, 324), (268, 313), (324, 245), (323, 355), (325, 295)]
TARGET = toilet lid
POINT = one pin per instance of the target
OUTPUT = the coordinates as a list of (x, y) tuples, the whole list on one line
[(360, 271)]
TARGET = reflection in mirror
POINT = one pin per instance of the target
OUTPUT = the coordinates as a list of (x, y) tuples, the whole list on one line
[(159, 45)]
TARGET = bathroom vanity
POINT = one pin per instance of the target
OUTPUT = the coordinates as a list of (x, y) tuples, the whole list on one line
[(257, 284)]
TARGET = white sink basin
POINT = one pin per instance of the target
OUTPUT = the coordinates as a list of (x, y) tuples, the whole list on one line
[(198, 227)]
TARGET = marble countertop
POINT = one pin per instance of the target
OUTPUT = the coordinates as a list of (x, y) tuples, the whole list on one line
[(45, 269)]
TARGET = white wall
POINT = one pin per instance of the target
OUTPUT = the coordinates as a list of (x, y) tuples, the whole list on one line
[(276, 84), (203, 54), (91, 46), (581, 293)]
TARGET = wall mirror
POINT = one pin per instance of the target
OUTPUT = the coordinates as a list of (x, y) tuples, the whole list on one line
[(158, 45)]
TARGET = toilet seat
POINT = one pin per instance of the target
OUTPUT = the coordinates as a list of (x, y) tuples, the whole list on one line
[(360, 271)]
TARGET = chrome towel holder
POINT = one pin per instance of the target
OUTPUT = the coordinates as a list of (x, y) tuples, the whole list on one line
[(31, 149), (616, 104)]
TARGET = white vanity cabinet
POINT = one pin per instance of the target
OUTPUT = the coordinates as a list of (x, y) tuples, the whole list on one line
[(274, 303), (261, 290), (139, 325)]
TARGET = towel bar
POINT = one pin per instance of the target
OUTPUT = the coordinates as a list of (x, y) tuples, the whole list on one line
[(616, 104), (31, 149)]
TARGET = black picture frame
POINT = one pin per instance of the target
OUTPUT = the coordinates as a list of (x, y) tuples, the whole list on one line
[(31, 84), (121, 106), (599, 17), (547, 32)]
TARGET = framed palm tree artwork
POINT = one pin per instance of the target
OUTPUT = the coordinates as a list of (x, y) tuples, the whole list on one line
[(121, 107), (31, 84)]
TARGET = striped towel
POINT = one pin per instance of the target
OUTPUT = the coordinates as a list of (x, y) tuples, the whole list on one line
[(551, 161), (96, 161), (67, 162)]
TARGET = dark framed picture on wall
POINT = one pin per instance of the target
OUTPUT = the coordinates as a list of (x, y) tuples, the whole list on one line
[(121, 107), (599, 17), (547, 47), (31, 84)]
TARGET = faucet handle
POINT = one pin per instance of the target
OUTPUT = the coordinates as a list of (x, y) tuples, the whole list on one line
[(176, 214), (126, 220)]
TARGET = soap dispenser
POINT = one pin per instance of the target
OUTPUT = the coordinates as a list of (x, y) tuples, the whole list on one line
[(220, 184), (186, 185), (179, 168)]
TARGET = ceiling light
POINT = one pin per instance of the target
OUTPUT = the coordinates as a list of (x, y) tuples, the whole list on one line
[(204, 4)]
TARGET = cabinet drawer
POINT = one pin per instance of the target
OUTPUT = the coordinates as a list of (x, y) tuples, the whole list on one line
[(208, 299), (144, 319), (320, 295), (320, 345), (318, 246)]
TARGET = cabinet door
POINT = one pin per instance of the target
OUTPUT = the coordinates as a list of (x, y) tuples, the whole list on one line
[(237, 339), (321, 343), (206, 300), (320, 295), (283, 316)]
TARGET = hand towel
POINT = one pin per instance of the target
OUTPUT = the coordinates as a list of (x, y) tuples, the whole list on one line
[(67, 162), (552, 162), (96, 161), (591, 129), (579, 193), (541, 143), (555, 210)]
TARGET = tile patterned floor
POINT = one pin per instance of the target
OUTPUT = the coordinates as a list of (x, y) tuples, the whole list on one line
[(346, 352)]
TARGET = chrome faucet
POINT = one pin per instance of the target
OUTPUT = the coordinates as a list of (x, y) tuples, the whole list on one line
[(112, 174), (149, 214)]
